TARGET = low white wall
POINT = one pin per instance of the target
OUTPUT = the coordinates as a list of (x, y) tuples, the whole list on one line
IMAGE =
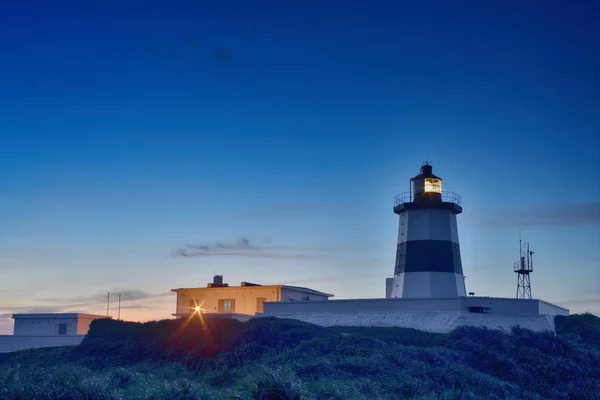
[(493, 305), (365, 305), (551, 309), (9, 343), (437, 322)]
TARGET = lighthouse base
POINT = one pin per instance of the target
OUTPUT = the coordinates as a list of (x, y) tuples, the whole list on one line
[(415, 285), (432, 315)]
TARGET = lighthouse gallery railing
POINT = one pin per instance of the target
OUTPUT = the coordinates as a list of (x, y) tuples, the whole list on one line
[(447, 197)]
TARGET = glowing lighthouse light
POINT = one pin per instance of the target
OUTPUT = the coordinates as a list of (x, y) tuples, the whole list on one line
[(428, 262), (433, 185)]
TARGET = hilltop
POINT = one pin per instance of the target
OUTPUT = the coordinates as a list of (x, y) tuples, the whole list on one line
[(269, 358)]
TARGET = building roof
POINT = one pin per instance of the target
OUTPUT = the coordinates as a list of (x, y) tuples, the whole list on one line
[(58, 316), (307, 290), (244, 287)]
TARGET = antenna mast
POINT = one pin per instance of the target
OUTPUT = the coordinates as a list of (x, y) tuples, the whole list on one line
[(523, 268)]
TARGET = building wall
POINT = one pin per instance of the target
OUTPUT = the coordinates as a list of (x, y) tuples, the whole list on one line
[(429, 224), (437, 322), (208, 298), (9, 343), (429, 284), (428, 261), (499, 306), (44, 326), (551, 309), (389, 284), (364, 305), (83, 324)]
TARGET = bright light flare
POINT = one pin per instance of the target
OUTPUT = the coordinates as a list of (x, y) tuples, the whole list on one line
[(197, 310)]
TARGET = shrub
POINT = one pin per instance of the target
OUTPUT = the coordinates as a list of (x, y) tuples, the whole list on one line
[(269, 358), (268, 384)]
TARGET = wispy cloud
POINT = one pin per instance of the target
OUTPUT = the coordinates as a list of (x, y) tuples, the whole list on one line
[(295, 210), (28, 310), (336, 278), (126, 295), (137, 307), (84, 303), (241, 248), (559, 214), (582, 302)]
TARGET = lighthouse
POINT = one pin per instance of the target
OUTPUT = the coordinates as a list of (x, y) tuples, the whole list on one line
[(428, 263)]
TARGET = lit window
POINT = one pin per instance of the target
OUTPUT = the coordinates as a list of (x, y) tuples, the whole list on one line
[(433, 185), (226, 305)]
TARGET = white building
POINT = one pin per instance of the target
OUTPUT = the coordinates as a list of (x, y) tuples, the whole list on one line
[(47, 330), (240, 302)]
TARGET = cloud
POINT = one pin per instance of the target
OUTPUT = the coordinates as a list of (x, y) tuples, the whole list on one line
[(137, 307), (296, 210), (126, 295), (28, 310), (259, 255), (337, 278), (81, 304), (559, 214), (241, 248), (581, 302)]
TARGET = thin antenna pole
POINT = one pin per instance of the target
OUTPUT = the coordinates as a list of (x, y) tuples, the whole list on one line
[(119, 317), (520, 248), (107, 304)]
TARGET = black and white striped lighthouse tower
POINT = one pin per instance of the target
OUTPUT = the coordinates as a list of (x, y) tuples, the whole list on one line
[(428, 263)]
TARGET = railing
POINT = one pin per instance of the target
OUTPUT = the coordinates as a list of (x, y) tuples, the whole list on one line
[(447, 197), (523, 268)]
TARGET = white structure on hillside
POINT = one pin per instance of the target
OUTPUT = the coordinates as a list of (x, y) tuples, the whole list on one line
[(428, 262), (51, 324), (47, 330), (240, 302)]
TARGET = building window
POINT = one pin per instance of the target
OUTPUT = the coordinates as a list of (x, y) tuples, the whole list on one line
[(62, 329), (193, 303), (479, 310), (433, 185), (226, 305), (260, 306)]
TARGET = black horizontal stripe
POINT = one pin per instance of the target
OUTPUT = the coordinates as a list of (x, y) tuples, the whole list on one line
[(428, 256)]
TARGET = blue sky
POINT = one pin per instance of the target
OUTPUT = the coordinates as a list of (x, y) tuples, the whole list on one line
[(130, 129)]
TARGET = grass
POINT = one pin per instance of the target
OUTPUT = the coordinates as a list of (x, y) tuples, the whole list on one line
[(283, 359)]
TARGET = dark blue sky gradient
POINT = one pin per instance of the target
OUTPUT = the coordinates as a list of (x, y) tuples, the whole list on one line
[(132, 128)]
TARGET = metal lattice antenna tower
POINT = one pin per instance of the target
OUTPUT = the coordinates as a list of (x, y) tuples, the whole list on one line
[(523, 268)]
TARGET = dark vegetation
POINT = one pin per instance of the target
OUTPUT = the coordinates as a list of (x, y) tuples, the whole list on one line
[(284, 359)]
